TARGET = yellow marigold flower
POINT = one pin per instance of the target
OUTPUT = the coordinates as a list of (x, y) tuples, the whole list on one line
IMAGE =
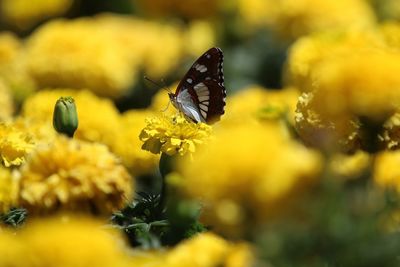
[(294, 18), (98, 117), (25, 14), (349, 85), (127, 144), (350, 166), (68, 241), (386, 171), (308, 52), (206, 250), (15, 144), (73, 175), (103, 53), (140, 41), (340, 133), (8, 190), (249, 169), (173, 135), (78, 54)]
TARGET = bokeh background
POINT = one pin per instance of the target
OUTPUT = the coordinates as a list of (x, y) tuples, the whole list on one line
[(302, 170)]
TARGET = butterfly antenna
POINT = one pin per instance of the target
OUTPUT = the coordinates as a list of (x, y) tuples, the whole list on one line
[(166, 107), (166, 86), (157, 84)]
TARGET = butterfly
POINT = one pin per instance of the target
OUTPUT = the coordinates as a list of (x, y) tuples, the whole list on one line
[(201, 93)]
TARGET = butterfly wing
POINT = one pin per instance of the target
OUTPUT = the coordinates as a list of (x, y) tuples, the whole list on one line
[(204, 82)]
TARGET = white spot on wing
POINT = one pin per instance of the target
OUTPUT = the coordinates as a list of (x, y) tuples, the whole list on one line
[(203, 107), (203, 98), (208, 56), (200, 68), (189, 80)]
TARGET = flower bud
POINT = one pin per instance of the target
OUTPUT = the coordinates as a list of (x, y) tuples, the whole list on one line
[(65, 117)]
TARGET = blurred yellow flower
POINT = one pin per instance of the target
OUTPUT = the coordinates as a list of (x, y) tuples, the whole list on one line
[(331, 133), (308, 52), (173, 135), (363, 83), (63, 242), (294, 18), (15, 144), (386, 171), (8, 190), (206, 250), (73, 175), (99, 119), (350, 166), (6, 102), (199, 36), (127, 144), (25, 14), (10, 46), (79, 54), (247, 172), (13, 71), (255, 103), (106, 52)]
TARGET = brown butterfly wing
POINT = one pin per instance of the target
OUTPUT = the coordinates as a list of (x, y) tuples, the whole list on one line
[(205, 83)]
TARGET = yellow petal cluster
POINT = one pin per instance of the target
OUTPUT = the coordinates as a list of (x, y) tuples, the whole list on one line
[(25, 14), (73, 175), (386, 172), (247, 171), (98, 117), (294, 18), (63, 242), (173, 135), (8, 190), (127, 144), (15, 144)]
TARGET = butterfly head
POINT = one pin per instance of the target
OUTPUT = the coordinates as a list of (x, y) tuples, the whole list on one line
[(172, 98)]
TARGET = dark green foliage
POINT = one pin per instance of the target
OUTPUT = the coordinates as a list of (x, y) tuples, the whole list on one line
[(338, 225), (15, 217), (149, 226)]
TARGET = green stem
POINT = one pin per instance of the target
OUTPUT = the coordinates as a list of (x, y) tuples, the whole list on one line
[(165, 168)]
